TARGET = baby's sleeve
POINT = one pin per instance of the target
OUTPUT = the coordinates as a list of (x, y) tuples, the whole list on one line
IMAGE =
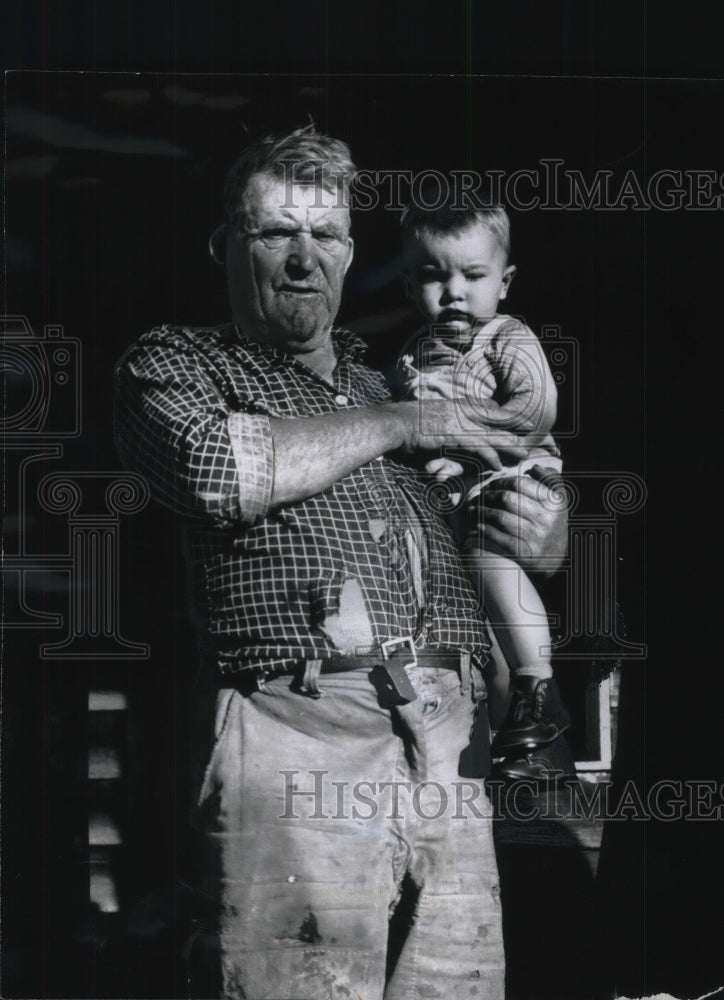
[(524, 386)]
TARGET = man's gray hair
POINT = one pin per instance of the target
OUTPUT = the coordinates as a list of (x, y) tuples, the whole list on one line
[(304, 156)]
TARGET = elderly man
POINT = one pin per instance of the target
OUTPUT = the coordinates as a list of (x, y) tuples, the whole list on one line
[(342, 733)]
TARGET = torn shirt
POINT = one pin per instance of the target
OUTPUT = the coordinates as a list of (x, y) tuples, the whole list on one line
[(192, 415)]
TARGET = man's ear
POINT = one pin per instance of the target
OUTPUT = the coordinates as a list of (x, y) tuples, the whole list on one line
[(350, 252), (508, 275), (217, 244)]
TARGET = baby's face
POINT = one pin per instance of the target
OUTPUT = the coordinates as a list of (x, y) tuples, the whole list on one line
[(458, 279)]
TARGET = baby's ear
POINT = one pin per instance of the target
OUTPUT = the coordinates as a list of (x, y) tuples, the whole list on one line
[(508, 275), (409, 291)]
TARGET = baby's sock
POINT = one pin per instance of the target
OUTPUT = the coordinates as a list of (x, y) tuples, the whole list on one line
[(540, 670)]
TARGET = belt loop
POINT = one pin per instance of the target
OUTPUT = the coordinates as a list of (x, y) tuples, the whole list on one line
[(465, 671), (480, 692), (309, 686)]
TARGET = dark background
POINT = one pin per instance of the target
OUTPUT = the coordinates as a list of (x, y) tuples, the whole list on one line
[(108, 241)]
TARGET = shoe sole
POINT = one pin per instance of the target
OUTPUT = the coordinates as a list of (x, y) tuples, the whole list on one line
[(524, 747)]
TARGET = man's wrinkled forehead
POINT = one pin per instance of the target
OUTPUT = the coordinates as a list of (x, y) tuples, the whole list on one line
[(268, 199)]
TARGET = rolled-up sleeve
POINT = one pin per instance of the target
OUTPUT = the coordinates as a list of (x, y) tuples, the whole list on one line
[(175, 425), (251, 444)]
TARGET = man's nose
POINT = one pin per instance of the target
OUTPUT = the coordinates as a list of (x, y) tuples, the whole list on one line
[(301, 257)]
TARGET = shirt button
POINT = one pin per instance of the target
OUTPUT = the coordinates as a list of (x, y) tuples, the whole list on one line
[(341, 400)]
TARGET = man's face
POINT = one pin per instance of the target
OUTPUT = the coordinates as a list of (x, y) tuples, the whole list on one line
[(458, 278), (286, 262)]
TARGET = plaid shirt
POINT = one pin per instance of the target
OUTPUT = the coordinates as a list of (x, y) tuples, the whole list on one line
[(192, 415)]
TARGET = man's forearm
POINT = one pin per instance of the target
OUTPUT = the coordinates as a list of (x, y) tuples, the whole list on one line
[(311, 453)]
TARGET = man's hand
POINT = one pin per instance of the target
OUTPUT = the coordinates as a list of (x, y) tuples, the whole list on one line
[(441, 423), (526, 519)]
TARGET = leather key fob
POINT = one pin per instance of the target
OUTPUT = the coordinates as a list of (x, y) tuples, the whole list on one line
[(393, 684)]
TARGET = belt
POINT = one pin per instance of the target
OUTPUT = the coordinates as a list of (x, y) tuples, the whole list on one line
[(445, 657), (400, 653)]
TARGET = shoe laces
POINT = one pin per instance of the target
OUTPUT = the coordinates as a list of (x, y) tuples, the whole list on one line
[(525, 706)]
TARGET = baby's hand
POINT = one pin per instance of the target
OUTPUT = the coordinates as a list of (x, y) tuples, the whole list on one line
[(443, 468)]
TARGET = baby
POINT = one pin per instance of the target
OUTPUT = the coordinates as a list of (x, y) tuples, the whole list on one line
[(457, 272)]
